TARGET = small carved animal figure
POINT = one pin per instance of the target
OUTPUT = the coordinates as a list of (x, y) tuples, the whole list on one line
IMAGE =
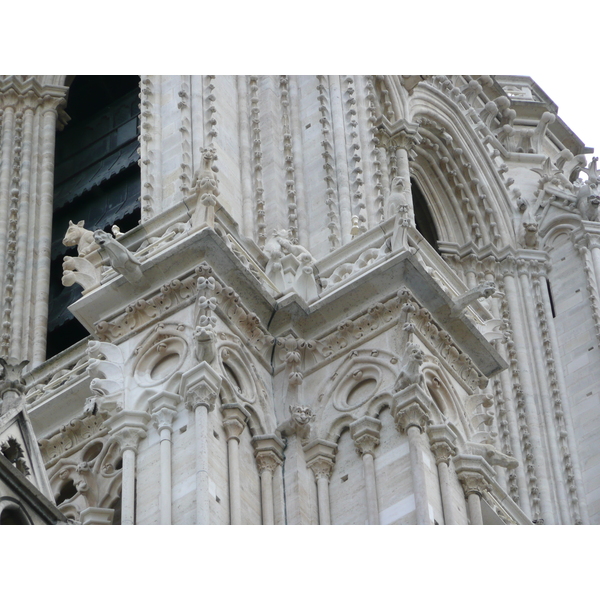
[(530, 235), (493, 456), (205, 180), (78, 236), (121, 259), (298, 423), (410, 373), (399, 196), (588, 205)]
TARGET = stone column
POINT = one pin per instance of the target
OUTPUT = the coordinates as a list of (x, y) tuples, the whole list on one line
[(443, 446), (365, 433), (476, 477), (523, 356), (44, 231), (164, 410), (269, 456), (320, 457), (234, 421), (200, 389), (128, 428), (409, 409)]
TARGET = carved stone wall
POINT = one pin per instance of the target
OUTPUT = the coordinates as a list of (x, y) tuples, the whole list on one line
[(280, 309)]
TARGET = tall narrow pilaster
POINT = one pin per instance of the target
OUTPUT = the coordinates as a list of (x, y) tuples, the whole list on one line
[(128, 428), (234, 422), (410, 412), (443, 447), (366, 434), (200, 389), (164, 410), (268, 453), (320, 457)]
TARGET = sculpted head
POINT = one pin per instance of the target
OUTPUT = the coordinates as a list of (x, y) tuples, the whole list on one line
[(415, 354), (301, 414), (398, 184), (101, 237), (73, 233)]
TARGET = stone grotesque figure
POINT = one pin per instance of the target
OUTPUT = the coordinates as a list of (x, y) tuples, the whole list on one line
[(588, 196), (410, 371), (121, 259), (400, 206), (290, 266), (205, 188), (77, 235), (298, 423), (483, 290)]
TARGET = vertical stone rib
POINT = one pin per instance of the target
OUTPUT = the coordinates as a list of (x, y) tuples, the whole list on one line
[(340, 162), (21, 262), (245, 157), (48, 132)]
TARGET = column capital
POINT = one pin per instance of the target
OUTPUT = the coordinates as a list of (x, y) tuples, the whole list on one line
[(443, 443), (201, 394), (128, 428), (199, 386), (400, 134), (320, 457), (474, 474), (268, 451), (163, 408), (234, 420), (410, 408), (366, 434)]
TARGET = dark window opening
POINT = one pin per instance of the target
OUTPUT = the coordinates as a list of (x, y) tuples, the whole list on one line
[(423, 218), (551, 299), (13, 516), (67, 491), (96, 180)]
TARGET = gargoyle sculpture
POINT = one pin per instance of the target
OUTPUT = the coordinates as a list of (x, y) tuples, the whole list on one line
[(290, 266), (120, 259), (298, 423), (483, 290)]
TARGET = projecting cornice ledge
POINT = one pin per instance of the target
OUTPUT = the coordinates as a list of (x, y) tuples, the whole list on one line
[(402, 269)]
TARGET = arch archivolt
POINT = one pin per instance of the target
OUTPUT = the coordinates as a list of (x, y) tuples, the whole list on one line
[(461, 171)]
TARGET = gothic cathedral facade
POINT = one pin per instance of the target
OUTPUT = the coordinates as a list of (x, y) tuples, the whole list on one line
[(297, 300)]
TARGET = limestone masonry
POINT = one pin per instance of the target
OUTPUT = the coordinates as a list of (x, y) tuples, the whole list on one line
[(296, 300)]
